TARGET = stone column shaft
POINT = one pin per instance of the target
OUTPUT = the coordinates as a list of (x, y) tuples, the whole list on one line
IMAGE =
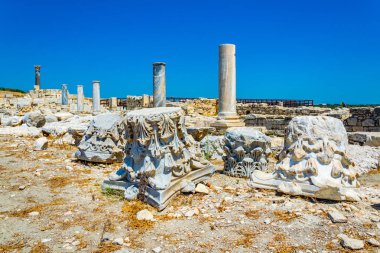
[(65, 94), (159, 85), (96, 96), (80, 98), (37, 69), (227, 80)]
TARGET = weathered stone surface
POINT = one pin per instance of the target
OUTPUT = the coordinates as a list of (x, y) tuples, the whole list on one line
[(41, 143), (201, 188), (337, 217), (158, 157), (199, 133), (11, 121), (350, 243), (51, 118), (246, 150), (313, 161), (365, 138), (213, 147), (23, 130), (104, 140), (145, 215), (61, 116), (35, 119)]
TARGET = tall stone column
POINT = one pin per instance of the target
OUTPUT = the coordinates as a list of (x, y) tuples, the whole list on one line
[(80, 98), (227, 116), (96, 96), (37, 69), (159, 84), (65, 94)]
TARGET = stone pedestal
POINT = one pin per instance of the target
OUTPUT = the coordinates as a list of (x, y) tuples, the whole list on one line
[(80, 98), (65, 94), (227, 116), (160, 158), (96, 96), (159, 85), (145, 101)]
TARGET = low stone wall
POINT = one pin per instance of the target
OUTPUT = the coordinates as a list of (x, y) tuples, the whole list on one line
[(363, 119), (139, 102), (253, 108), (200, 106)]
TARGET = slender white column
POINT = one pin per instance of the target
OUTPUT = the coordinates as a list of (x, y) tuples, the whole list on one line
[(65, 95), (159, 84), (80, 98), (227, 80), (96, 96)]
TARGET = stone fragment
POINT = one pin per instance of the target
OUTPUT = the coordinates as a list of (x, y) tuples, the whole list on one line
[(201, 188), (350, 243), (61, 116), (313, 162), (246, 151), (157, 249), (34, 213), (41, 143), (104, 140), (212, 147), (51, 118), (187, 186), (337, 217), (373, 242), (118, 241), (144, 215), (34, 119), (22, 187)]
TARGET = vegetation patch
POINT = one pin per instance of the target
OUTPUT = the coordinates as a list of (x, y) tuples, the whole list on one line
[(247, 238), (37, 208), (130, 209), (284, 216)]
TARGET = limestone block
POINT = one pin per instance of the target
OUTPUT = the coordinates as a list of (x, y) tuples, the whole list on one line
[(41, 143), (22, 131), (104, 140), (34, 119), (313, 162), (368, 123), (159, 156), (246, 150), (352, 121)]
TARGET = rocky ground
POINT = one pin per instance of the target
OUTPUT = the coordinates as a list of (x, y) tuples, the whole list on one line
[(53, 203)]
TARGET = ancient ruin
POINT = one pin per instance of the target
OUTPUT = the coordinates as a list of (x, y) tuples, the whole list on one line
[(246, 150), (104, 140), (313, 162), (159, 157)]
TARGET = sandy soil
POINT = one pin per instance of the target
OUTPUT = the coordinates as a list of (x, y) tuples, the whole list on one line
[(52, 203)]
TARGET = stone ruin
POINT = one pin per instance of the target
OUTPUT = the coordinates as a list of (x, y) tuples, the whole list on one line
[(104, 140), (246, 150), (313, 162), (160, 157)]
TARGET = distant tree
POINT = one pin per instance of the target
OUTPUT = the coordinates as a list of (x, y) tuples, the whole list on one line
[(343, 104), (11, 89)]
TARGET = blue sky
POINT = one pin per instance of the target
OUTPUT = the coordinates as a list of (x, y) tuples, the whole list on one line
[(326, 50)]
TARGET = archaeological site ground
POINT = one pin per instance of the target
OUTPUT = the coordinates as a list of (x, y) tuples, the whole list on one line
[(153, 173)]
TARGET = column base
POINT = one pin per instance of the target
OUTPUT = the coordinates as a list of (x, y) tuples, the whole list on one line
[(225, 122)]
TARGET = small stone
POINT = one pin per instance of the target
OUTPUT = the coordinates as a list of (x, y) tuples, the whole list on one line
[(157, 249), (187, 187), (69, 168), (22, 187), (75, 243), (201, 188), (375, 219), (41, 143), (350, 243), (118, 241), (189, 213), (337, 217), (33, 213), (67, 213), (373, 242), (144, 215), (267, 221), (45, 240)]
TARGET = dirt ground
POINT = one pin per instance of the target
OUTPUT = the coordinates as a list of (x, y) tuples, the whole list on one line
[(53, 203)]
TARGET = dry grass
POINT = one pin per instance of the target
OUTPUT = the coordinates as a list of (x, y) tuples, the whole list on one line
[(37, 208), (247, 238), (284, 216), (106, 247), (222, 207), (279, 244), (186, 200), (373, 172), (252, 213), (130, 209), (12, 246), (40, 248)]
